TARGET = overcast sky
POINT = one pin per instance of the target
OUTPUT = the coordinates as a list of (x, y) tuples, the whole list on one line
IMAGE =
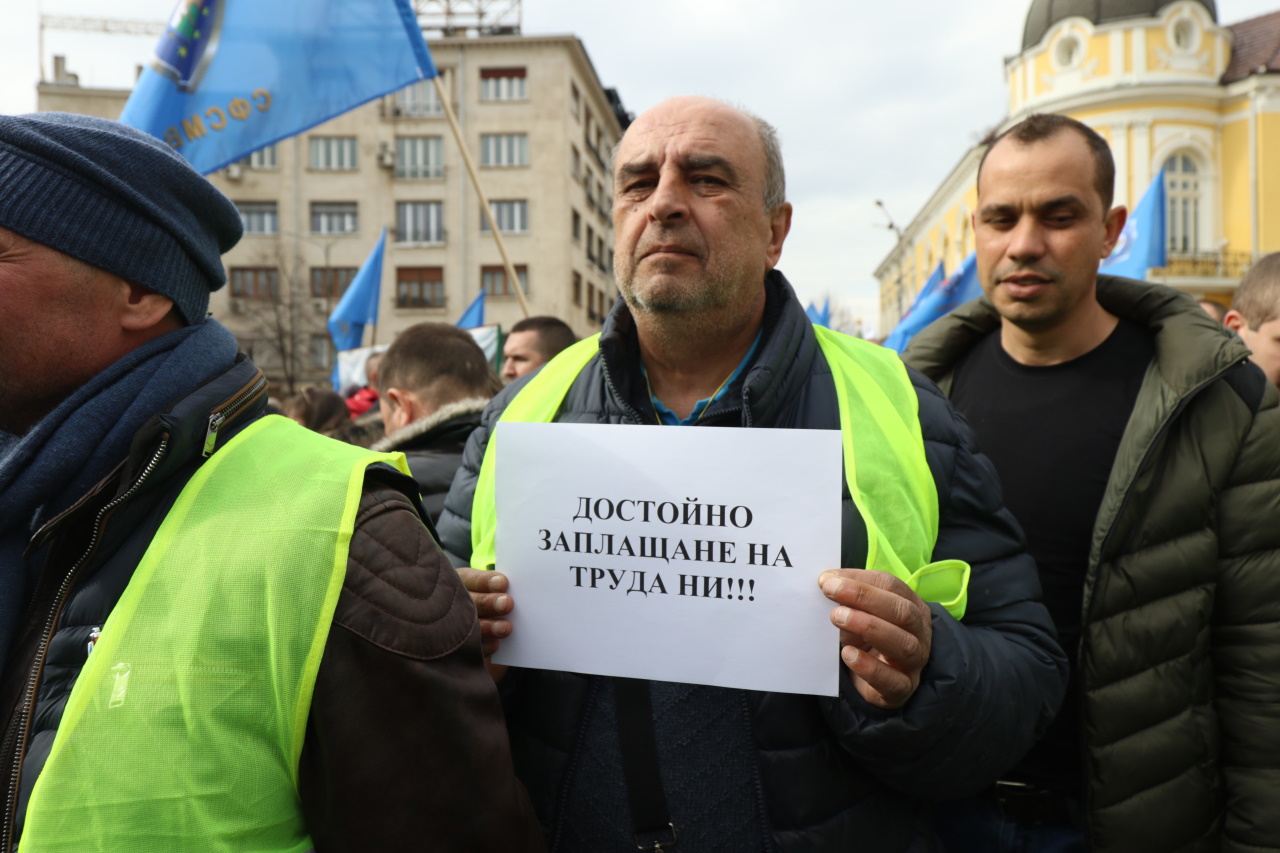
[(872, 100)]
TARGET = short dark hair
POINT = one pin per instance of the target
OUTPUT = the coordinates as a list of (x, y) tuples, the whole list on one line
[(438, 362), (1038, 127), (318, 409), (554, 334), (1258, 296)]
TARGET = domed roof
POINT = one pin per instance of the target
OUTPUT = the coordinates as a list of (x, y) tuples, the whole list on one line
[(1045, 13)]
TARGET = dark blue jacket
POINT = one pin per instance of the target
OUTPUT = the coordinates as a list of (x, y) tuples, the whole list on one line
[(834, 773)]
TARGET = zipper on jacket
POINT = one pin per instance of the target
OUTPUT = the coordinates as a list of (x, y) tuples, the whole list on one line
[(1085, 804), (757, 781), (575, 758), (22, 721), (218, 418)]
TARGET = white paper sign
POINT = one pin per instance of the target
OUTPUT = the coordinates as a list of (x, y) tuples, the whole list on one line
[(695, 557)]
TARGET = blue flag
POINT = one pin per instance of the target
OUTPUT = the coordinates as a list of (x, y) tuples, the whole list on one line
[(820, 317), (358, 307), (936, 298), (1142, 242), (474, 315), (231, 76)]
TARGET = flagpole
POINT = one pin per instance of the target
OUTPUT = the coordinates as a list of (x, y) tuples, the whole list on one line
[(484, 201)]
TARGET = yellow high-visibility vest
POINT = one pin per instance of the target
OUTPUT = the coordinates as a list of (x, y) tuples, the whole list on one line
[(184, 729), (884, 462)]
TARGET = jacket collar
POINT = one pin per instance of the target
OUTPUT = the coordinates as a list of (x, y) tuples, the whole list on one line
[(173, 441), (406, 435), (786, 350), (1191, 348)]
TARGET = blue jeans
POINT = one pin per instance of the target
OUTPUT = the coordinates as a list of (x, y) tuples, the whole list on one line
[(976, 826)]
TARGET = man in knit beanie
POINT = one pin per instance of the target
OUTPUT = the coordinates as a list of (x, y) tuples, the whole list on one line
[(218, 630)]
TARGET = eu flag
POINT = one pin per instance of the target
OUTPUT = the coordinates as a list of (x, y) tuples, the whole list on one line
[(1142, 242), (232, 76)]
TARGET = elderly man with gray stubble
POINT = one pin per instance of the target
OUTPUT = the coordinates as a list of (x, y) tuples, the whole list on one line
[(710, 334)]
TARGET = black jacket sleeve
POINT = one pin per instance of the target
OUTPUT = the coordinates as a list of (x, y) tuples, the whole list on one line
[(406, 747)]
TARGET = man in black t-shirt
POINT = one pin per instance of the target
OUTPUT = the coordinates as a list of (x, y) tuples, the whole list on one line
[(1141, 454)]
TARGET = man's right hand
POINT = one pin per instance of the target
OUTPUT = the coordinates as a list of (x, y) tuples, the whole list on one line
[(489, 593)]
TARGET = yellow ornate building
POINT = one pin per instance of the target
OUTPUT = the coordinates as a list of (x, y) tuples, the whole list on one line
[(1167, 86)]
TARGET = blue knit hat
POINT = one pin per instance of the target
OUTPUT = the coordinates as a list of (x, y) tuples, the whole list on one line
[(119, 200)]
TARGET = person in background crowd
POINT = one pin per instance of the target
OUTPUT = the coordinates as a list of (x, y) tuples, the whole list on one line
[(1140, 451), (533, 342), (1255, 315), (319, 410), (711, 334), (365, 399), (436, 382), (1216, 310), (211, 637)]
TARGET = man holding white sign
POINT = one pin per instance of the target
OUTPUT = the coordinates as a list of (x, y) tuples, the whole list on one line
[(711, 334)]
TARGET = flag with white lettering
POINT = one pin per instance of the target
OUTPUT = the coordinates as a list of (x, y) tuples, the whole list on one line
[(232, 76)]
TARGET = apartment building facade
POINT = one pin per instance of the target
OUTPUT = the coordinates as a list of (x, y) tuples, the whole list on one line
[(540, 128)]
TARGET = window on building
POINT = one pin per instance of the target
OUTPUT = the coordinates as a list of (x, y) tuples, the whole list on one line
[(419, 287), (577, 227), (575, 100), (1182, 199), (255, 282), (512, 216), (495, 281), (600, 253), (609, 269), (577, 289), (263, 158), (591, 302), (502, 84), (417, 100), (591, 245), (420, 222), (419, 157), (589, 184), (334, 217), (602, 199), (322, 352), (264, 351), (259, 217), (504, 149), (333, 153), (330, 282), (575, 161)]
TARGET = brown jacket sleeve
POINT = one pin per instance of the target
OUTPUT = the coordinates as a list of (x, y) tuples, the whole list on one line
[(406, 748)]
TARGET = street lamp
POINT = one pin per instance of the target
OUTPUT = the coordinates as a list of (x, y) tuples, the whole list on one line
[(899, 251)]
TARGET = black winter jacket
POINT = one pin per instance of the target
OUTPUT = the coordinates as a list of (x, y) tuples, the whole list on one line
[(834, 774), (1180, 643)]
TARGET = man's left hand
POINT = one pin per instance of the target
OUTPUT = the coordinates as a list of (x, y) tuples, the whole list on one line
[(886, 632)]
